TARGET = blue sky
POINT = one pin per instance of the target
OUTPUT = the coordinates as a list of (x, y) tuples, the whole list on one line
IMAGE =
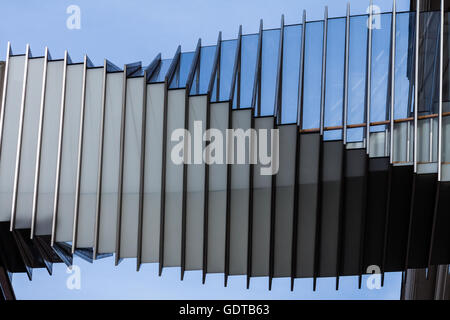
[(137, 30)]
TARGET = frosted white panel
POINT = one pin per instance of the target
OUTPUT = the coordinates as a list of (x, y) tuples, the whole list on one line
[(49, 148), (307, 201), (423, 135), (29, 143), (400, 142), (285, 201), (110, 166), (378, 144), (69, 155), (240, 175), (89, 161), (152, 174), (195, 185), (10, 132), (174, 182), (217, 195), (262, 192), (131, 168)]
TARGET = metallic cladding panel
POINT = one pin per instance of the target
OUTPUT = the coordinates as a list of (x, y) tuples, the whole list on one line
[(307, 197), (262, 190), (217, 194), (284, 209), (110, 171), (333, 152), (10, 131), (131, 172), (354, 204), (153, 167), (440, 246), (377, 186), (398, 217), (174, 182), (29, 142), (240, 173), (421, 219), (49, 151), (195, 187), (69, 155), (90, 154)]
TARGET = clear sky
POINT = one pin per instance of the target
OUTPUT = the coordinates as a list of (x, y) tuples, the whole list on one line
[(137, 30)]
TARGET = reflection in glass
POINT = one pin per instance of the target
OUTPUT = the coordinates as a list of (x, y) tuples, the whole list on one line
[(203, 70), (161, 71), (227, 56), (429, 62), (357, 76), (313, 74), (291, 73), (334, 89), (381, 48), (182, 70), (404, 58), (269, 63), (249, 48)]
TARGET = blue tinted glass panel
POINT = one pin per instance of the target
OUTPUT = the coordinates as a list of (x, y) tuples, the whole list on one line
[(357, 76), (269, 63), (227, 57), (429, 62), (313, 75), (203, 72), (381, 48), (161, 70), (404, 62), (182, 70), (291, 73), (334, 88), (249, 48)]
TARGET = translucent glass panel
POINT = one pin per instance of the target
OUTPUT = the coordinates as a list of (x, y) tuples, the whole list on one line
[(291, 73), (357, 74), (69, 153), (240, 174), (262, 197), (29, 141), (131, 167), (249, 50), (269, 64), (10, 132), (429, 62), (174, 181), (203, 71), (446, 99), (195, 187), (334, 85), (217, 195), (49, 148), (182, 70), (110, 164), (381, 55), (428, 86), (227, 57), (89, 158), (285, 201), (152, 173), (313, 75), (404, 64), (161, 71), (404, 85)]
